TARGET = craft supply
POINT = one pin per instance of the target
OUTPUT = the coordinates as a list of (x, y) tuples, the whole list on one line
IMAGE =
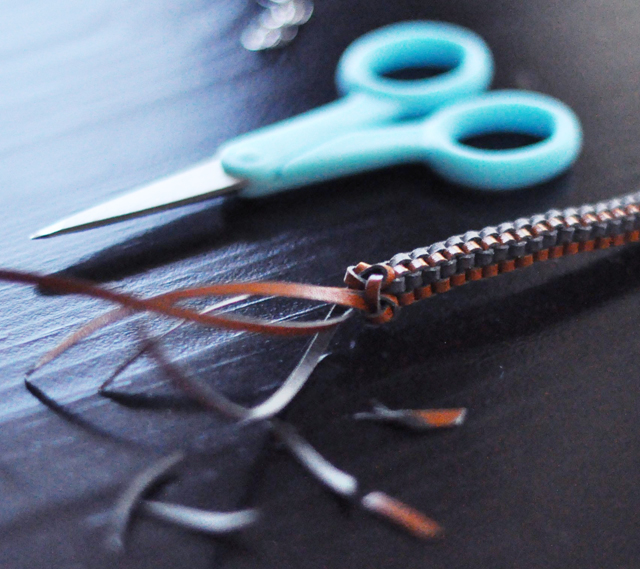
[(423, 272), (346, 486), (142, 483), (410, 519), (377, 290), (336, 480), (380, 122), (417, 419), (216, 523)]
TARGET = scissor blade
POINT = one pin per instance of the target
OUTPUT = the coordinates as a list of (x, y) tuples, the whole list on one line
[(203, 181)]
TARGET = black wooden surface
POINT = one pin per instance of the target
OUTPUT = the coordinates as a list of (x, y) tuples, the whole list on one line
[(98, 96)]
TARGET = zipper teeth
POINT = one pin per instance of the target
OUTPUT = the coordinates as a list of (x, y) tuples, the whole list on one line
[(475, 255)]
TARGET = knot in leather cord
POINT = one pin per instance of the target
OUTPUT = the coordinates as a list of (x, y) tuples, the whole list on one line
[(372, 280)]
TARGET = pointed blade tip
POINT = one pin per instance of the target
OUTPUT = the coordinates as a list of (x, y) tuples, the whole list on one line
[(53, 231), (41, 234), (203, 181)]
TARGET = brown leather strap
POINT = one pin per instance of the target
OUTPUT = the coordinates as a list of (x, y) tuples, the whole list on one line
[(165, 303), (330, 295)]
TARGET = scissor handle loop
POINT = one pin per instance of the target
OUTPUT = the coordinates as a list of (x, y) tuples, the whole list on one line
[(519, 112), (417, 44)]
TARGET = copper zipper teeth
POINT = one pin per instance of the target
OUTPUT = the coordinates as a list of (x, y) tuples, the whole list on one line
[(425, 271)]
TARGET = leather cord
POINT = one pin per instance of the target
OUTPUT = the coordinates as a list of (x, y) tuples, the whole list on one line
[(165, 303)]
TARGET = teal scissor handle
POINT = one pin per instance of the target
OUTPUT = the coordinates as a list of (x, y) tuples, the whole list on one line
[(464, 54), (264, 157), (439, 141), (521, 112)]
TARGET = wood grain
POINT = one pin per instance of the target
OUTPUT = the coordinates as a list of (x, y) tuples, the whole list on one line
[(97, 97)]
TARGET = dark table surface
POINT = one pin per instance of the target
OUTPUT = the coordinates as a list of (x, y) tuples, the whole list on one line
[(98, 96)]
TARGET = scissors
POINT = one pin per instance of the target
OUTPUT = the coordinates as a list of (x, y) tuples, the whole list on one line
[(380, 121)]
